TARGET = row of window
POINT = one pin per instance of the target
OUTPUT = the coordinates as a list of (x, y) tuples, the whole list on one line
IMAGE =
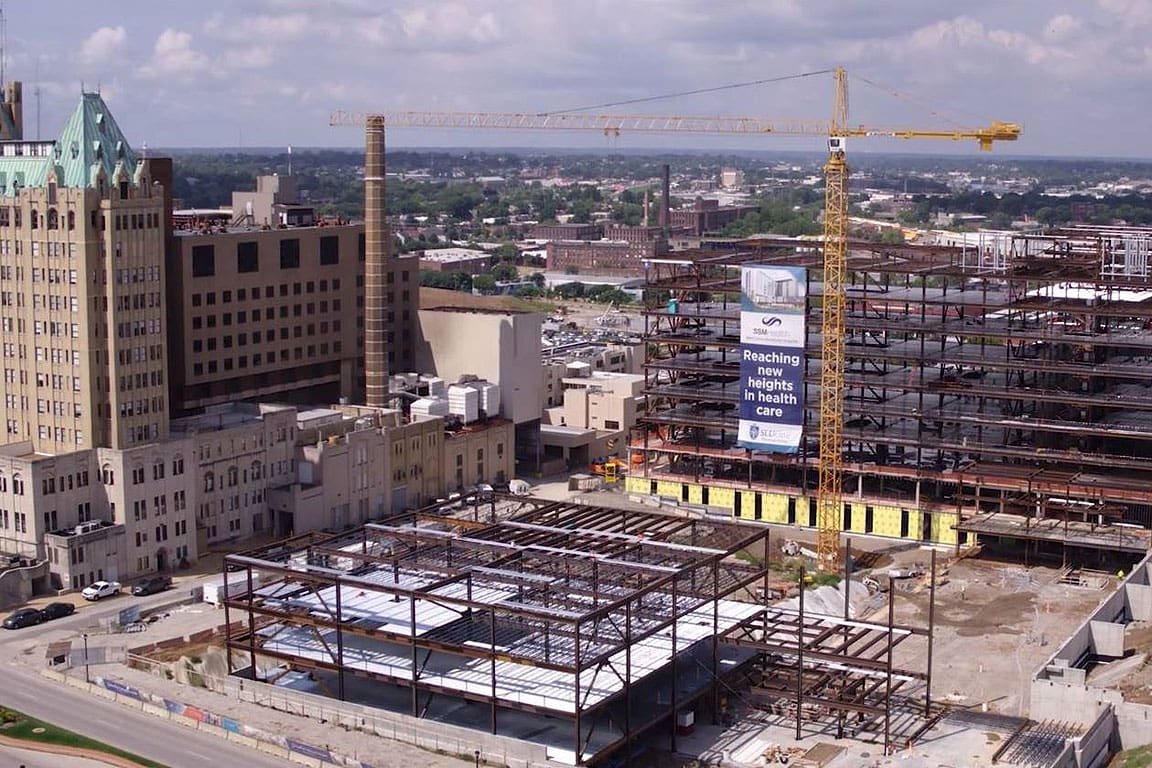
[(248, 255), (241, 339), (17, 522), (61, 434), (108, 474), (64, 482), (269, 292), (228, 504), (241, 317), (258, 359), (141, 380), (234, 476)]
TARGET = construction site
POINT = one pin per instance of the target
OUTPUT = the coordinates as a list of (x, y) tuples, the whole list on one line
[(585, 631), (995, 393)]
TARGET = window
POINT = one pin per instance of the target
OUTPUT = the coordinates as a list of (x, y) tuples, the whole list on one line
[(329, 250), (203, 260), (248, 257), (158, 470), (178, 465), (137, 475), (290, 253)]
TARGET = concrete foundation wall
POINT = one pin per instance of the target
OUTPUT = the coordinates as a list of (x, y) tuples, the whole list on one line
[(1060, 688), (427, 734)]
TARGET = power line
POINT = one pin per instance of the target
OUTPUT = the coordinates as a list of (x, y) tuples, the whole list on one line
[(695, 92)]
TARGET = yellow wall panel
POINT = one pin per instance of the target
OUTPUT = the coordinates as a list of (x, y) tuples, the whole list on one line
[(886, 521), (775, 507), (695, 496), (724, 498)]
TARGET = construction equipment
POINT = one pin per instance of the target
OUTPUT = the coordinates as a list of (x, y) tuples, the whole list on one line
[(829, 500)]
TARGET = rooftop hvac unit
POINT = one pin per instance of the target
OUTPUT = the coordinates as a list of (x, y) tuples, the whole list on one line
[(464, 402)]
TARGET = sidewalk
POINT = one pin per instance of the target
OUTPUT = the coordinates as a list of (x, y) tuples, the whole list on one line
[(352, 744)]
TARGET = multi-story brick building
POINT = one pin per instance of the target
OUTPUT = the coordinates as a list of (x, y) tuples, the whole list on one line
[(261, 312), (706, 215), (567, 232)]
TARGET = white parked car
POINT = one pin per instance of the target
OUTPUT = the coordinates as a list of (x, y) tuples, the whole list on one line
[(99, 589)]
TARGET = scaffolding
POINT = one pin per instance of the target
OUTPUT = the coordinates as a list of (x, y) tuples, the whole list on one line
[(999, 386)]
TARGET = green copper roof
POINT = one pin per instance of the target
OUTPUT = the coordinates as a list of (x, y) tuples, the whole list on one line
[(90, 140)]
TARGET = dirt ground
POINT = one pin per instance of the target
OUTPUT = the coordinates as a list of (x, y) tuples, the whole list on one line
[(995, 623)]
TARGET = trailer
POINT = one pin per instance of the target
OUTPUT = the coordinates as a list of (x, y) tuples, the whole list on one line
[(214, 592)]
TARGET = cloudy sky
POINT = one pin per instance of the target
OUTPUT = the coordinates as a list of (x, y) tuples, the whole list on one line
[(1075, 73)]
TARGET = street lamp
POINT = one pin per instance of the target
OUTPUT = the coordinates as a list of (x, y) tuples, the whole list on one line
[(476, 754), (86, 678)]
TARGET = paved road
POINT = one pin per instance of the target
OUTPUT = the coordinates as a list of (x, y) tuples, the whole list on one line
[(26, 758), (174, 745)]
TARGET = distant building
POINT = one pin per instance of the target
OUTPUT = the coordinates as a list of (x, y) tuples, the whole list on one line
[(467, 260), (731, 178), (567, 232), (706, 215)]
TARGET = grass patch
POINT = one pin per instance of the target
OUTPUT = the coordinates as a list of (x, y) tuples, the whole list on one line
[(1141, 757), (747, 557), (17, 725)]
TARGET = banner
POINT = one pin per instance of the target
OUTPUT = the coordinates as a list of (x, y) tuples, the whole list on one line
[(773, 329)]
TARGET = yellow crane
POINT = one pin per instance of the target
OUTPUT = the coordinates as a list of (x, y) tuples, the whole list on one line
[(829, 499)]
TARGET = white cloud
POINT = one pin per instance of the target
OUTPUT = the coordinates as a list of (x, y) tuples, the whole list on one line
[(174, 57), (103, 45), (1074, 70)]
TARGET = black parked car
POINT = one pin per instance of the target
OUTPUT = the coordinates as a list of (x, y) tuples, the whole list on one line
[(25, 617), (151, 585), (58, 610)]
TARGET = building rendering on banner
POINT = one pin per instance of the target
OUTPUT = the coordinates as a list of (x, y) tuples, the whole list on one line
[(773, 325)]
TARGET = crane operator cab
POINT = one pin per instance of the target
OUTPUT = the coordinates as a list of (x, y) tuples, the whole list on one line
[(836, 146)]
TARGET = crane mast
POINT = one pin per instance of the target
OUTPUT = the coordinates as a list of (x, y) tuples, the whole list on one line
[(830, 496)]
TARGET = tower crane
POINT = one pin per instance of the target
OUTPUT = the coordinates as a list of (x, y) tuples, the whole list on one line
[(829, 500)]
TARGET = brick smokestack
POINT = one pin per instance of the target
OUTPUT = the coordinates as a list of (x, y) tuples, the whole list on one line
[(376, 245), (665, 199)]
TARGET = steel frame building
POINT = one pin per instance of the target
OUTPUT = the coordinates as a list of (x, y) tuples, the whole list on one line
[(999, 389), (571, 611)]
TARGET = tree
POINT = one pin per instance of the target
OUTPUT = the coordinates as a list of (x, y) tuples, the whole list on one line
[(537, 279), (570, 290), (582, 211), (508, 253), (504, 273), (485, 284)]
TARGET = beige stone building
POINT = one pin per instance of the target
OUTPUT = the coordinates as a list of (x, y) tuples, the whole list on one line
[(610, 358), (100, 513), (356, 463), (500, 346), (82, 320), (239, 451), (598, 412)]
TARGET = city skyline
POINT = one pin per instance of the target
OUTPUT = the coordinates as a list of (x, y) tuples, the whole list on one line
[(270, 72)]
